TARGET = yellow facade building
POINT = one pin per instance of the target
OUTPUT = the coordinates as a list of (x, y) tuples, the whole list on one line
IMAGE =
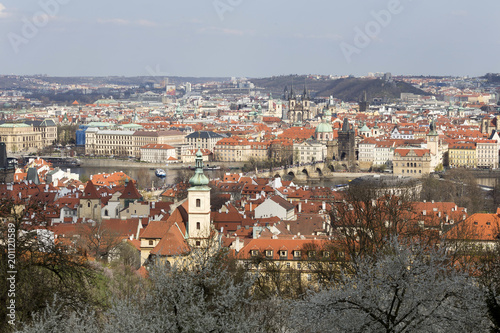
[(462, 155)]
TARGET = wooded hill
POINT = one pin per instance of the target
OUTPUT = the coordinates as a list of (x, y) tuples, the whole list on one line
[(347, 89)]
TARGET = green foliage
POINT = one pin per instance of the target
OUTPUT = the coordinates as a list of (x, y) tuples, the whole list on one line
[(66, 134), (439, 167)]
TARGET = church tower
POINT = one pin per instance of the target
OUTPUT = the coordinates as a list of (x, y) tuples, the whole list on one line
[(364, 105), (433, 138), (90, 203), (347, 144), (199, 226)]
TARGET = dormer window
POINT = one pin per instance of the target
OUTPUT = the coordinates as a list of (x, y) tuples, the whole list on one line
[(311, 254), (283, 254), (296, 254), (254, 253), (269, 253)]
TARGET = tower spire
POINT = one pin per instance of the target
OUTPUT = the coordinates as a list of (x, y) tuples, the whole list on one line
[(199, 179)]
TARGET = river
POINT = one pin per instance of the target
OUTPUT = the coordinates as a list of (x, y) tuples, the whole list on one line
[(146, 175)]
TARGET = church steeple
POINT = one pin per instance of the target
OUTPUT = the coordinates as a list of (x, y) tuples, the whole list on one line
[(199, 226), (199, 178)]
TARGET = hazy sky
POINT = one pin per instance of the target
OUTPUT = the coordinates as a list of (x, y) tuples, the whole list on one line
[(252, 38)]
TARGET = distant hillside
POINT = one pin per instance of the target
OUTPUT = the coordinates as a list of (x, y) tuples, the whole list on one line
[(20, 82), (348, 89), (492, 78)]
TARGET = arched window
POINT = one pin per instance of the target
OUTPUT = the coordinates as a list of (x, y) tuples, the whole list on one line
[(105, 212), (88, 204), (198, 225), (198, 202)]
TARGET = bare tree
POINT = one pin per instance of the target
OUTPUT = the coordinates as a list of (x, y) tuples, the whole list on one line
[(404, 289), (204, 297), (369, 215), (43, 265), (98, 241)]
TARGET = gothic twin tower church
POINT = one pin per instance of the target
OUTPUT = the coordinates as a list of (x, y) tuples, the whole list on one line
[(299, 109)]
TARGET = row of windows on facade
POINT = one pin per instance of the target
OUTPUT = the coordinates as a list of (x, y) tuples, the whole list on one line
[(297, 254), (151, 243), (411, 171), (298, 265), (410, 165)]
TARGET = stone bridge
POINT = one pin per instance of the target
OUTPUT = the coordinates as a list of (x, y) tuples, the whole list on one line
[(311, 172), (304, 172)]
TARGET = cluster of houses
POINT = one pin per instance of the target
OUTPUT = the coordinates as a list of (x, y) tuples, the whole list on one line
[(257, 217)]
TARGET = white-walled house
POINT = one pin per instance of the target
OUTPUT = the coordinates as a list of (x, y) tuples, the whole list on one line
[(276, 206)]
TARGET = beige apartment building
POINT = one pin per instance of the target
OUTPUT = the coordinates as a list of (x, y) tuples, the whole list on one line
[(109, 142), (126, 142), (487, 154), (20, 137), (236, 149), (47, 128), (412, 162), (142, 138)]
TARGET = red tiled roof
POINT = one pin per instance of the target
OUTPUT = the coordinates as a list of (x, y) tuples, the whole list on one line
[(90, 191), (130, 192)]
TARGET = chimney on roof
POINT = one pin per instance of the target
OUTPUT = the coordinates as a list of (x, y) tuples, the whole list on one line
[(300, 207), (288, 227), (425, 201), (323, 205), (424, 212)]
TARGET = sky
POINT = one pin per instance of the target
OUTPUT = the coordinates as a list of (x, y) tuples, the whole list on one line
[(249, 38)]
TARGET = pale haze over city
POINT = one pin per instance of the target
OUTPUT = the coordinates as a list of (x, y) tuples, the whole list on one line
[(248, 38)]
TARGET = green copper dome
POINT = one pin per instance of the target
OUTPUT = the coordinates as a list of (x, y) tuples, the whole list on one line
[(324, 128), (199, 179), (364, 128)]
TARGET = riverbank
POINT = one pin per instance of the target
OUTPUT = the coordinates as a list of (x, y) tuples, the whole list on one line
[(107, 162)]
